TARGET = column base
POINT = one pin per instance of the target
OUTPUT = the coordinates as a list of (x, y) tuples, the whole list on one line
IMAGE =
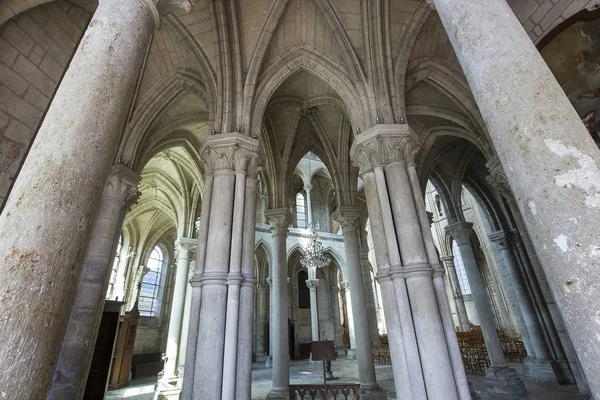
[(278, 394), (351, 354), (503, 382), (269, 362), (547, 371), (372, 392), (565, 373), (167, 389), (473, 392)]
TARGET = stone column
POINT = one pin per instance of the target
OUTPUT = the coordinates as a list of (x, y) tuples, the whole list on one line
[(72, 367), (500, 379), (168, 385), (337, 321), (401, 333), (49, 215), (555, 322), (185, 324), (279, 218), (388, 151), (314, 309), (309, 219), (527, 113), (461, 310), (196, 288), (261, 322), (269, 360), (349, 217), (369, 297), (228, 157), (345, 287), (538, 365), (243, 384)]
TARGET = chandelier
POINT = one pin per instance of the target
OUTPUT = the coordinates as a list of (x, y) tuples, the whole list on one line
[(314, 255)]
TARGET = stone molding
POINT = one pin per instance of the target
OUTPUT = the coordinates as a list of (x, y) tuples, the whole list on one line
[(383, 144), (502, 238), (460, 231), (279, 219), (231, 152), (270, 282)]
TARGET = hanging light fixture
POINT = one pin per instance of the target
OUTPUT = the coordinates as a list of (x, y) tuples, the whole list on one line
[(314, 254)]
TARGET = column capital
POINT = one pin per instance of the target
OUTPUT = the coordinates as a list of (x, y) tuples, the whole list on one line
[(262, 287), (448, 260), (122, 184), (279, 219), (312, 283), (160, 8), (184, 247), (233, 152), (497, 178), (308, 188), (344, 285), (270, 282), (348, 216), (460, 231), (502, 238), (383, 144)]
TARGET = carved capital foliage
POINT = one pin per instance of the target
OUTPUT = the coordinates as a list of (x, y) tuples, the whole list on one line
[(231, 151), (383, 144), (430, 5), (448, 261), (502, 238), (497, 178), (312, 283), (348, 217), (344, 286), (270, 282), (279, 219), (122, 184), (185, 248), (460, 231)]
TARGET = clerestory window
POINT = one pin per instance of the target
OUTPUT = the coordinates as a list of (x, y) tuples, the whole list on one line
[(300, 210), (148, 304)]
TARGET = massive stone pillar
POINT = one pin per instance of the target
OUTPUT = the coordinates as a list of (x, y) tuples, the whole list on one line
[(384, 154), (230, 158), (349, 217), (72, 367), (500, 379), (539, 365), (279, 218), (168, 384), (550, 159), (369, 295), (48, 218), (461, 310)]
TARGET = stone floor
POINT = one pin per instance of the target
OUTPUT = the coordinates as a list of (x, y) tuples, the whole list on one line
[(303, 372)]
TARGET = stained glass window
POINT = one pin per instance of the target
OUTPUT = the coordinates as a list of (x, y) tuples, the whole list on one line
[(148, 304)]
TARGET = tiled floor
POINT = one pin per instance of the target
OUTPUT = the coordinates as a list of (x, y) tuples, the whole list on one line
[(303, 372)]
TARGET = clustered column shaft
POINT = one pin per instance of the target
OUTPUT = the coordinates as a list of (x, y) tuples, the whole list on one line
[(231, 159), (461, 310), (424, 356)]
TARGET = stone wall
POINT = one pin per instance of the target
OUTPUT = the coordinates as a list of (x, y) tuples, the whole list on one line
[(35, 49), (148, 336)]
